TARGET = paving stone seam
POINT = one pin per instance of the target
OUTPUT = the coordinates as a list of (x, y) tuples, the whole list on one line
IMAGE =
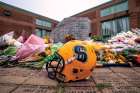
[(19, 85), (11, 84), (121, 78), (136, 71), (102, 91), (96, 83)]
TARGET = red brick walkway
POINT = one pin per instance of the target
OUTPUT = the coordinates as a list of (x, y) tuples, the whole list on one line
[(103, 80)]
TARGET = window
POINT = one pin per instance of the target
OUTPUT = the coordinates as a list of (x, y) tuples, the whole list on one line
[(112, 27), (43, 23), (115, 9), (38, 32), (41, 32), (7, 13)]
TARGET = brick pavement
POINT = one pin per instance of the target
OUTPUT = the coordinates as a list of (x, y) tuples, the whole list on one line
[(103, 80)]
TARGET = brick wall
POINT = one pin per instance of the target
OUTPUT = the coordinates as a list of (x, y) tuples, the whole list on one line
[(16, 15), (94, 14), (134, 12), (16, 21)]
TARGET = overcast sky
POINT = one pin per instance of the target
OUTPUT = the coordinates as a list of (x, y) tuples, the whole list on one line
[(55, 9)]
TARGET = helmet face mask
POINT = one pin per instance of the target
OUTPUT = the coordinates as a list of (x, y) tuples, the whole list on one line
[(55, 67), (73, 61)]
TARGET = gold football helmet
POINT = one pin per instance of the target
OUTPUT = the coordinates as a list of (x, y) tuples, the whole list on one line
[(75, 60)]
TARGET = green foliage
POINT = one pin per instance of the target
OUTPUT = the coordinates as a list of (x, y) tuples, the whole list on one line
[(96, 38), (130, 51), (60, 88), (10, 51), (103, 85), (33, 65)]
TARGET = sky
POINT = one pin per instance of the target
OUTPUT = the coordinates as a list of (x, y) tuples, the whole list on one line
[(55, 9)]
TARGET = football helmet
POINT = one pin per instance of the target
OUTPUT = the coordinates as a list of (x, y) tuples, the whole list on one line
[(75, 60)]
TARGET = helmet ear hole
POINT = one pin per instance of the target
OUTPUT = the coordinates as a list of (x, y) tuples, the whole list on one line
[(81, 70), (76, 77), (75, 70)]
